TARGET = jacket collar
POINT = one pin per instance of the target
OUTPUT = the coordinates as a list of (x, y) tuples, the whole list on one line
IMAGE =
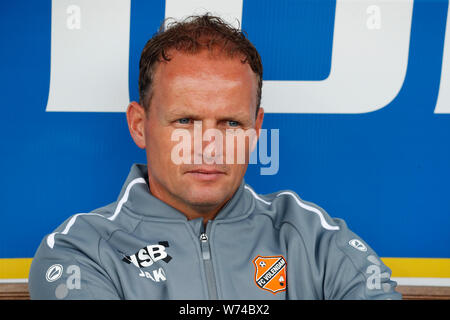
[(135, 198)]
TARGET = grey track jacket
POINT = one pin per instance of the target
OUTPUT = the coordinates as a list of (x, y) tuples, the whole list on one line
[(274, 246)]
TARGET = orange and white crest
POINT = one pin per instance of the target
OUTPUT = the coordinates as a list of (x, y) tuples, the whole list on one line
[(270, 273)]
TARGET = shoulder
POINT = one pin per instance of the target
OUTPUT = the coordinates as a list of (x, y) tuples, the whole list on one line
[(73, 244), (350, 267), (82, 225), (311, 222), (80, 235), (287, 207)]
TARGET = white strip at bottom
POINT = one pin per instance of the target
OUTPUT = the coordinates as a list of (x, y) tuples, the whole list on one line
[(13, 281), (434, 282)]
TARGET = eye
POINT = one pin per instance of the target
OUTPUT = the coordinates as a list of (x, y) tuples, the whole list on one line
[(233, 123), (184, 121)]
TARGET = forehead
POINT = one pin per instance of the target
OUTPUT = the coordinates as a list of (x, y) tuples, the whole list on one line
[(205, 75), (207, 60)]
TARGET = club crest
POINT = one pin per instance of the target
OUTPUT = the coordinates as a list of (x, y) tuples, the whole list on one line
[(270, 273)]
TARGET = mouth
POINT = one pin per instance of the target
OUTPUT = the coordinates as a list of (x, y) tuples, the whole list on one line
[(205, 174)]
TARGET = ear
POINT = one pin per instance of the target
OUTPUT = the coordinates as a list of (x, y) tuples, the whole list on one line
[(136, 117)]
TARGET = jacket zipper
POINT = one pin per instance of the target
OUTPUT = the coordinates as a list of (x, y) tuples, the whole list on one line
[(207, 263)]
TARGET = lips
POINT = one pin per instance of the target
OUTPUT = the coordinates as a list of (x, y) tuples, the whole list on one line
[(205, 174), (206, 171)]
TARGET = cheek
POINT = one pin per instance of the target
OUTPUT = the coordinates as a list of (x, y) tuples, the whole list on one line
[(158, 144), (237, 149), (236, 174)]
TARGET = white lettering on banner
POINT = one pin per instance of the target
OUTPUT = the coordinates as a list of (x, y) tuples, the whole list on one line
[(230, 10), (89, 55), (368, 67), (443, 100)]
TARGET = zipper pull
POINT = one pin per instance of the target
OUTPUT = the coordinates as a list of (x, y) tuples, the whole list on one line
[(208, 267), (205, 246), (204, 237)]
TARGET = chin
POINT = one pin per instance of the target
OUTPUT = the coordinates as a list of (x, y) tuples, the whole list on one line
[(207, 196)]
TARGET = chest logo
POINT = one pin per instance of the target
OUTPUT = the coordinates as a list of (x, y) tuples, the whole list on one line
[(270, 273), (147, 257)]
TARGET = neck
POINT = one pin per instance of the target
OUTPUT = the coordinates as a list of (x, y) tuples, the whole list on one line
[(207, 211)]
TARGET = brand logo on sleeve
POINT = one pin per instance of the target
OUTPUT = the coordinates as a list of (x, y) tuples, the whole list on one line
[(270, 273), (358, 245), (54, 273)]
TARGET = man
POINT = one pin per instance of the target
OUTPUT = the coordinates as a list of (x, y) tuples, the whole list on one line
[(186, 226)]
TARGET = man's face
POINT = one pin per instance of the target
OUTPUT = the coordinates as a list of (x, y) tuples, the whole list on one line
[(192, 92)]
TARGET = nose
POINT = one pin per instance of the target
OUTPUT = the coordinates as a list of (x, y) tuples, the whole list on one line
[(208, 143)]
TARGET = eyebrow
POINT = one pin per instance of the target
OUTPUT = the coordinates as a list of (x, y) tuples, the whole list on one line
[(178, 114)]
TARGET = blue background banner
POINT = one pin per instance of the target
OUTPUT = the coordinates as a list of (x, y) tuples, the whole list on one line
[(385, 172)]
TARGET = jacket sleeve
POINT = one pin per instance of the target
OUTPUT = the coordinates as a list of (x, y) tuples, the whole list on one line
[(354, 271), (70, 268)]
